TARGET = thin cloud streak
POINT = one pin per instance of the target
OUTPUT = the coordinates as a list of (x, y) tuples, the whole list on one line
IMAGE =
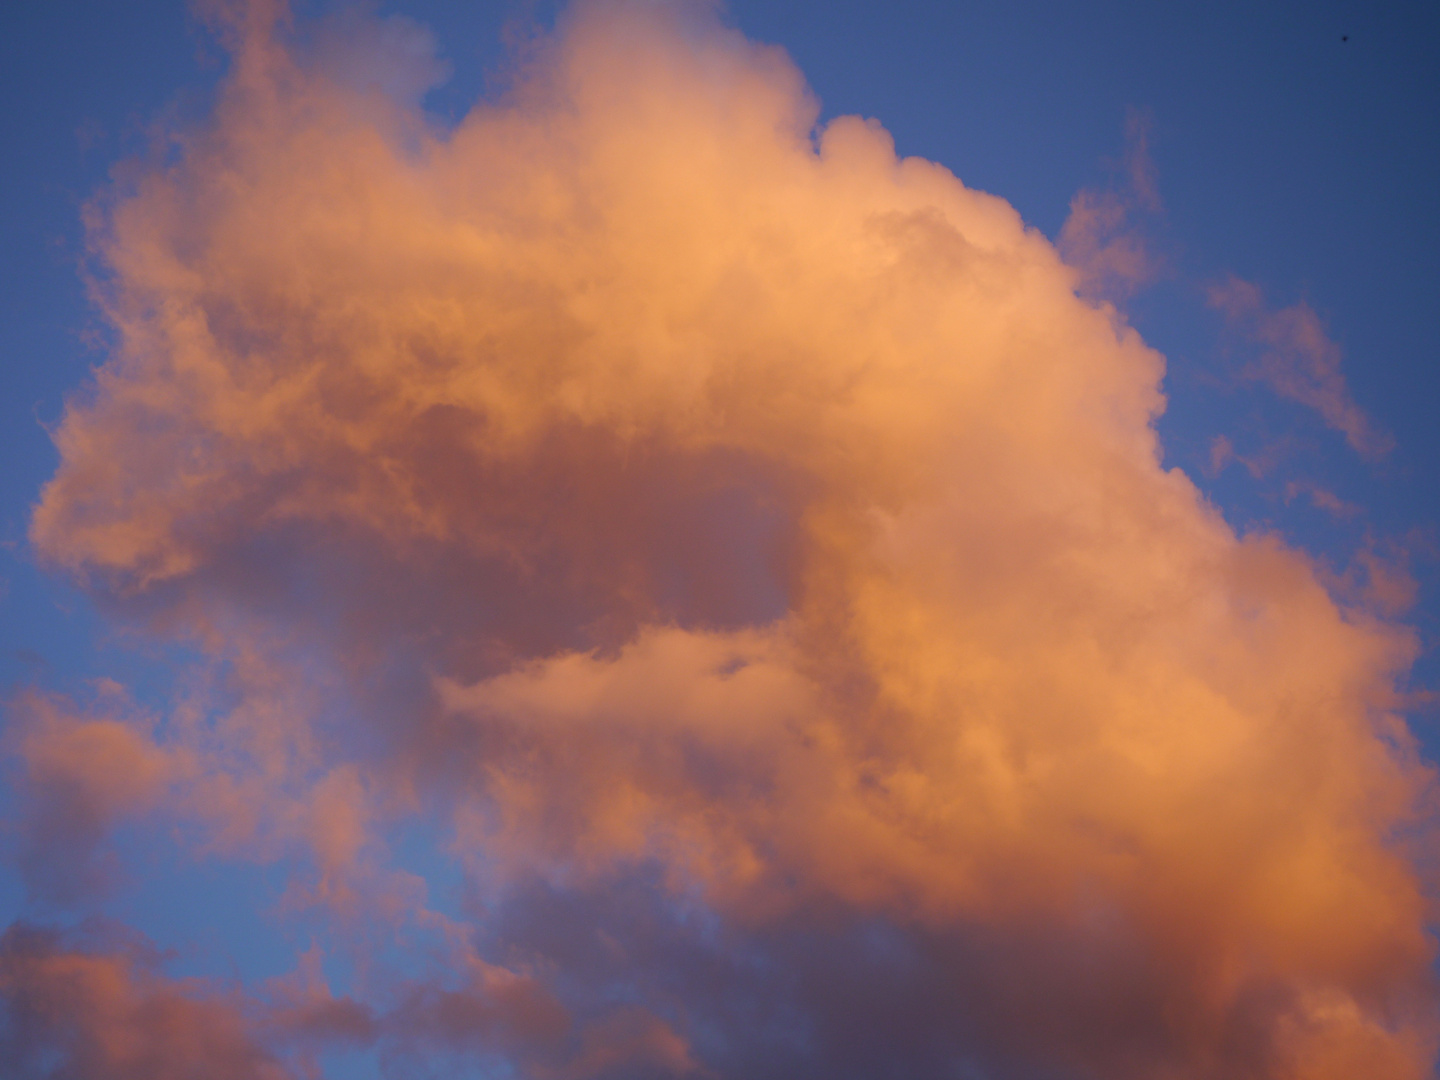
[(1299, 362), (751, 554)]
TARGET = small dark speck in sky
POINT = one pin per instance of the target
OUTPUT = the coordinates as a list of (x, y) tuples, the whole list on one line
[(1344, 37)]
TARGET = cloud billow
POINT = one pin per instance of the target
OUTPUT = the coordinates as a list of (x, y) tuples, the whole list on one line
[(755, 556)]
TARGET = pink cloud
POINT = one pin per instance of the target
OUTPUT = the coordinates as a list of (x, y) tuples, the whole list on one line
[(1102, 238), (704, 515), (109, 1016), (82, 775), (1300, 362)]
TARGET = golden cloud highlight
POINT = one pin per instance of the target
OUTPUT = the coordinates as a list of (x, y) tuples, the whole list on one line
[(671, 496)]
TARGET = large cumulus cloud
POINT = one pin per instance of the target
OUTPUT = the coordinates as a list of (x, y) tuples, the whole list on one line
[(758, 558)]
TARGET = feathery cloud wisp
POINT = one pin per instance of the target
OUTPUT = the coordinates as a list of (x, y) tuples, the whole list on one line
[(1300, 362)]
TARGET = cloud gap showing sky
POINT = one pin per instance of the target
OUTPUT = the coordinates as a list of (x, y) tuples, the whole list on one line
[(744, 555)]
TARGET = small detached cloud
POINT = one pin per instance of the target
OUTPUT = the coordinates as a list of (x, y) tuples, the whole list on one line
[(1104, 238), (1298, 361)]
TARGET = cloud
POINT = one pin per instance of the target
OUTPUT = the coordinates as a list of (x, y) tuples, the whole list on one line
[(749, 551), (1101, 238), (82, 775), (1321, 499), (108, 1015), (1299, 362), (95, 1004)]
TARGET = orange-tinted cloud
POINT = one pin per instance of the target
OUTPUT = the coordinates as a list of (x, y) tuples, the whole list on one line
[(1102, 238), (1300, 362), (107, 1015), (82, 774), (95, 1004), (674, 498)]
